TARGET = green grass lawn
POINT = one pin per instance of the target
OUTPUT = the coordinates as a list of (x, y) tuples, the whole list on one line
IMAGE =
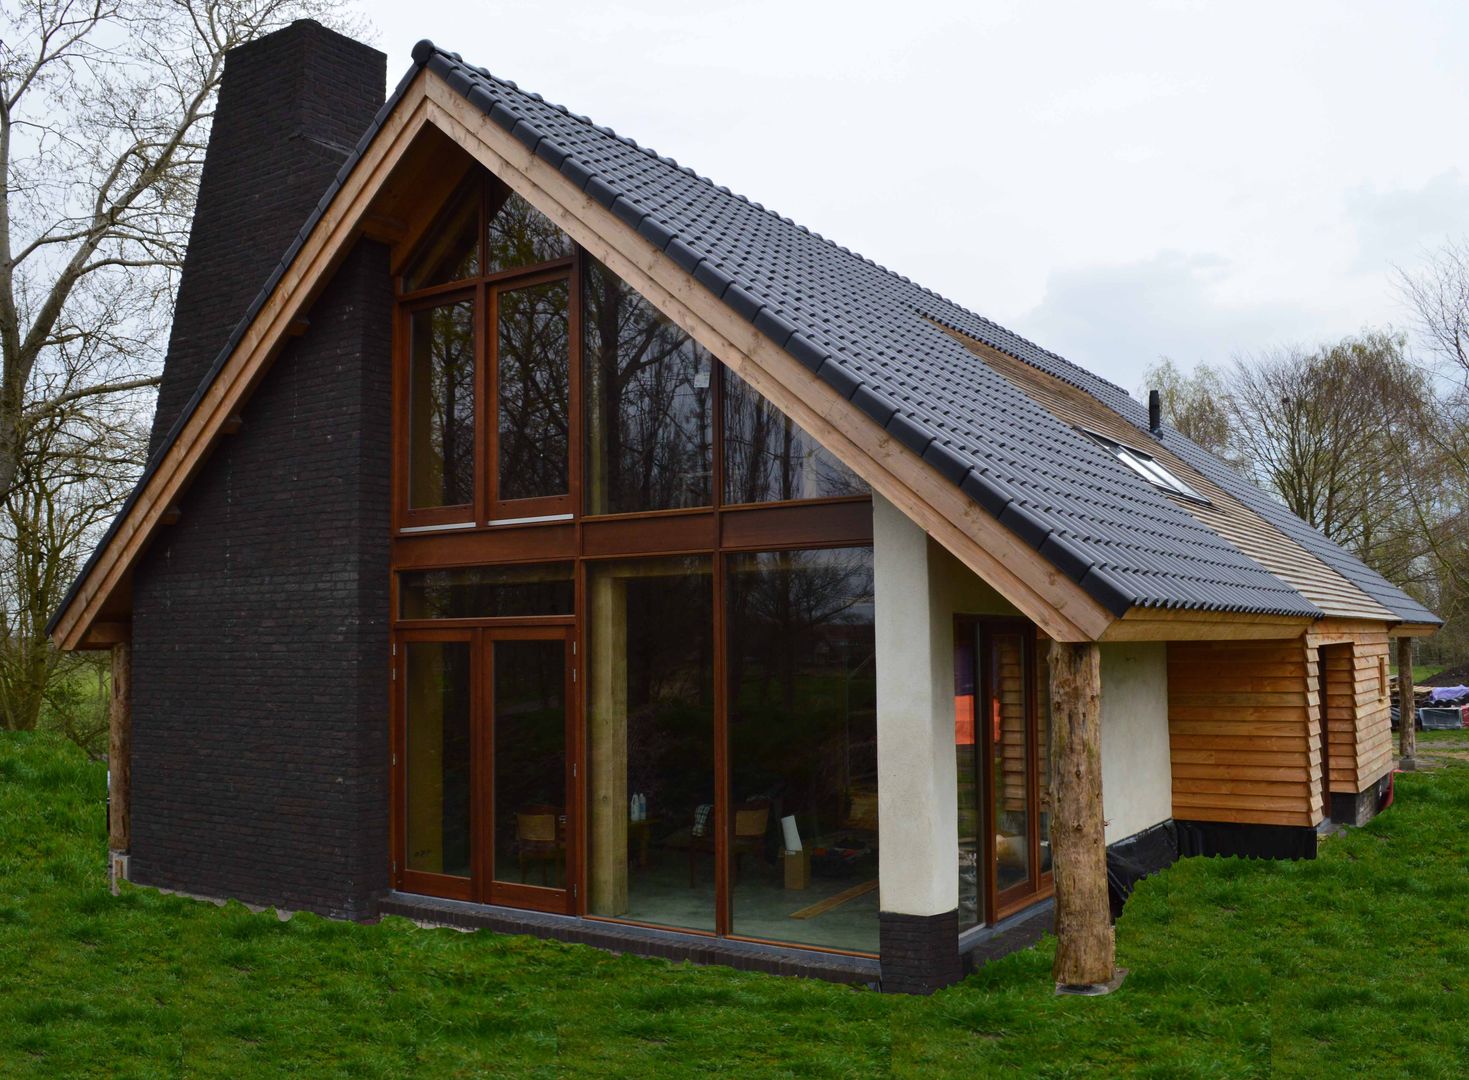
[(1354, 964)]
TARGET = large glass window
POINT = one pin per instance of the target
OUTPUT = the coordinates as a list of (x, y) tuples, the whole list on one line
[(650, 741), (436, 781), (487, 592), (441, 406), (519, 234), (451, 251), (768, 458), (803, 747), (528, 710), (649, 404), (533, 372)]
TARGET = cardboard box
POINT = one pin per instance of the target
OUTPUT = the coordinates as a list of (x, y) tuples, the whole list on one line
[(797, 868)]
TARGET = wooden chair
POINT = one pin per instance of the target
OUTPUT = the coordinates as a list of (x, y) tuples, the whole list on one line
[(751, 820), (539, 838)]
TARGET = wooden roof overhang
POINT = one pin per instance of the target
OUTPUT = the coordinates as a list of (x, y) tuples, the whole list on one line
[(391, 193)]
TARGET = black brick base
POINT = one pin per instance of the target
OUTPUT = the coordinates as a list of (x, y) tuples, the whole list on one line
[(1363, 806), (920, 953)]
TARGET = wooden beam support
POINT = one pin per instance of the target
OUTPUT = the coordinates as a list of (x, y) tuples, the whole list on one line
[(120, 750), (1407, 710), (171, 516), (384, 229), (104, 635), (232, 426), (1015, 570), (1158, 624), (307, 275), (1085, 949), (298, 327)]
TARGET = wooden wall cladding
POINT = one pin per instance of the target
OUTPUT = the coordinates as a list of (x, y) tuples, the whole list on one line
[(1244, 748), (1358, 710)]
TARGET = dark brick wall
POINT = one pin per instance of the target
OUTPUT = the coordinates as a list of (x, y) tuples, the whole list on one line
[(260, 633), (920, 953), (291, 106)]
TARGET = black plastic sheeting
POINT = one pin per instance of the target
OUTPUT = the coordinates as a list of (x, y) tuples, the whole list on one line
[(1137, 857), (1246, 841)]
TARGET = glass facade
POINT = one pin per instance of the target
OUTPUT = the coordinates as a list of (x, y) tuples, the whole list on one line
[(649, 404), (650, 741), (704, 659), (437, 762), (768, 458), (534, 391), (803, 747), (441, 405), (488, 592)]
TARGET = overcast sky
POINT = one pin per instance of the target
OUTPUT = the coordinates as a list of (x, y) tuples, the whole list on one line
[(1116, 181)]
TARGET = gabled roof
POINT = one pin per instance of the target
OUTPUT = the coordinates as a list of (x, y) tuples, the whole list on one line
[(865, 331), (876, 339)]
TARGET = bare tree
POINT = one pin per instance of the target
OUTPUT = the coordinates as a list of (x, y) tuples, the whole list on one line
[(77, 468), (1337, 434), (104, 110), (1195, 404)]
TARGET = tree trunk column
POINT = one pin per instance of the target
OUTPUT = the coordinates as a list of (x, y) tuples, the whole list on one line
[(1407, 711), (119, 762), (1085, 956)]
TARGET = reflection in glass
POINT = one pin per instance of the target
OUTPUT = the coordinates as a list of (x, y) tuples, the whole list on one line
[(519, 234), (1009, 762), (966, 743), (529, 718), (803, 743), (649, 404), (451, 253), (441, 406), (534, 395), (767, 458), (487, 592), (437, 760), (650, 734)]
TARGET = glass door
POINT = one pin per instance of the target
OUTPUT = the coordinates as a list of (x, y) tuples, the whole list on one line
[(1002, 741), (529, 833), (1011, 758)]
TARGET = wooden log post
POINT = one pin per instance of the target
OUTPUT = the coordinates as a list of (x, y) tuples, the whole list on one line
[(120, 750), (1407, 711), (1085, 951), (607, 892)]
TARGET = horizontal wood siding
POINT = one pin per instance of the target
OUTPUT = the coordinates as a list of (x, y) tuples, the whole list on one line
[(1240, 734), (1358, 713)]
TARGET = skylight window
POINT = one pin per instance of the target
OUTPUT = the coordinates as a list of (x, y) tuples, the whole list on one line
[(1146, 466)]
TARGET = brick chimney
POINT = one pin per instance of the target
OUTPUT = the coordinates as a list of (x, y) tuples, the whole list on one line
[(291, 106)]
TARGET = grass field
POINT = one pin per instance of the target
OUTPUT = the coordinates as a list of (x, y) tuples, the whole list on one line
[(1354, 964)]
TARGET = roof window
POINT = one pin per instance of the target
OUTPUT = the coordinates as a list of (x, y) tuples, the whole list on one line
[(1146, 466)]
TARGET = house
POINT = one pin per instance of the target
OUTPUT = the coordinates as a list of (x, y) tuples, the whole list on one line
[(542, 537)]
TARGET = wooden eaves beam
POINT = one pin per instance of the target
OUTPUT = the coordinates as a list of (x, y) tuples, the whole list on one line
[(280, 318), (1020, 574)]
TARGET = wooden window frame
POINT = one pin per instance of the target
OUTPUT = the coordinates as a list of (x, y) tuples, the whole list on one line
[(1038, 884), (481, 886), (481, 535)]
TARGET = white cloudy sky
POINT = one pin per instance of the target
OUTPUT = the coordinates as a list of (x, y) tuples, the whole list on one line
[(1117, 181)]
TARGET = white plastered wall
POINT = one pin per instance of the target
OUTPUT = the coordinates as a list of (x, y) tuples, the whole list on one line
[(919, 588), (1137, 774)]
